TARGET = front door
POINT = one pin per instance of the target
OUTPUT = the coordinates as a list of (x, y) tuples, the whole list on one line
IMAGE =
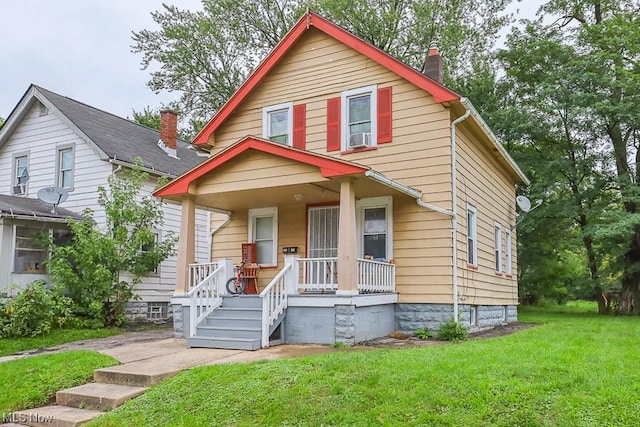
[(322, 243)]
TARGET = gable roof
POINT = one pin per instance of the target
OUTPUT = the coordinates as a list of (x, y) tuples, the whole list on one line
[(308, 20), (329, 166), (35, 209), (112, 137)]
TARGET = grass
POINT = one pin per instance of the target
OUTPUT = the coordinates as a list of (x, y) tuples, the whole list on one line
[(33, 381), (56, 337), (575, 369)]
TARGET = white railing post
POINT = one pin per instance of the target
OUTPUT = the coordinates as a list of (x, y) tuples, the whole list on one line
[(225, 274), (291, 277)]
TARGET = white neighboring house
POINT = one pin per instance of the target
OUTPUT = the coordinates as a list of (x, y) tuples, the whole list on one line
[(51, 140)]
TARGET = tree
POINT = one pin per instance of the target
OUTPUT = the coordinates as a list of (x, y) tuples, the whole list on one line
[(1, 122), (100, 268), (147, 117), (206, 55)]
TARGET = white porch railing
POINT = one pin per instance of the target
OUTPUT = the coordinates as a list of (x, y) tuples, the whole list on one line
[(197, 272), (274, 296), (376, 276), (318, 274), (205, 297)]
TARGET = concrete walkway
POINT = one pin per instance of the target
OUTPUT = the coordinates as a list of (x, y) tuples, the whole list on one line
[(143, 364)]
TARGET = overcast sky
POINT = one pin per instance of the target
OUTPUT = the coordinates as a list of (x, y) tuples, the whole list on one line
[(82, 49)]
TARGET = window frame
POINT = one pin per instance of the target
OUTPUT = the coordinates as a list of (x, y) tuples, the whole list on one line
[(473, 315), (508, 256), (157, 238), (472, 235), (372, 203), (372, 91), (497, 233), (264, 213), (59, 151), (266, 112), (14, 173)]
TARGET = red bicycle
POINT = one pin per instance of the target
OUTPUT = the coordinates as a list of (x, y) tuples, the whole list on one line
[(237, 284)]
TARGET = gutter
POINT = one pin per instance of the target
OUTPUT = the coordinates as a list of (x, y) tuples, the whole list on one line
[(114, 161), (36, 217)]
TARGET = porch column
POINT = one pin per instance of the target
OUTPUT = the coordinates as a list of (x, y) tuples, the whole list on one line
[(347, 247), (186, 243)]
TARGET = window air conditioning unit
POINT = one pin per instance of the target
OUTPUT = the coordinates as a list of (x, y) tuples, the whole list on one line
[(18, 189), (360, 140)]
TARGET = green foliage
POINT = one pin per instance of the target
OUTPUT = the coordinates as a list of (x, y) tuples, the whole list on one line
[(34, 311), (452, 331), (34, 381), (424, 333), (147, 117), (340, 345), (90, 267), (55, 337)]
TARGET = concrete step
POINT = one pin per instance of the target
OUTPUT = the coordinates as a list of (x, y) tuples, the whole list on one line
[(225, 343), (129, 375), (98, 396), (237, 312), (229, 332), (243, 301), (238, 322), (54, 416)]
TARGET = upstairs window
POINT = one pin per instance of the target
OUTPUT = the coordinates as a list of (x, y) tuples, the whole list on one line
[(508, 259), (472, 235), (20, 175), (65, 167), (359, 118), (498, 247), (277, 123)]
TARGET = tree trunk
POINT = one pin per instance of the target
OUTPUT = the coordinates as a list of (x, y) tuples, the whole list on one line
[(631, 280)]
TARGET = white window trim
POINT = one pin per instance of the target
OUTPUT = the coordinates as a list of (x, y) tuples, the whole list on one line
[(498, 247), (14, 171), (265, 120), (508, 258), (158, 238), (375, 202), (261, 213), (59, 150), (344, 124), (473, 228)]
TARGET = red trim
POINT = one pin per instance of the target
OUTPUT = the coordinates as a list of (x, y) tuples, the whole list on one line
[(498, 273), (333, 124), (300, 126), (472, 267), (311, 19), (329, 167), (510, 276), (385, 122)]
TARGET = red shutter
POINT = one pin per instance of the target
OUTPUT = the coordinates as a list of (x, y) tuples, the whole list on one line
[(384, 115), (300, 126), (333, 124)]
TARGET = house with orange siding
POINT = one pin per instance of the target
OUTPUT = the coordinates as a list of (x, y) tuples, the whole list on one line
[(372, 197)]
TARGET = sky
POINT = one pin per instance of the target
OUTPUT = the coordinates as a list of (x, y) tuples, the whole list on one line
[(82, 49)]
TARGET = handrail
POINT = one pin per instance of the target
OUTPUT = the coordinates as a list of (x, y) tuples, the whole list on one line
[(375, 276), (203, 299), (274, 302), (199, 271), (318, 274)]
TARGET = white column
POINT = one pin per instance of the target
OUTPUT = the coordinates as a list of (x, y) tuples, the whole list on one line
[(291, 278), (347, 244), (186, 244)]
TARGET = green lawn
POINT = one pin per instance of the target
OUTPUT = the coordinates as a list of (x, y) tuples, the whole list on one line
[(576, 369), (57, 336), (33, 381)]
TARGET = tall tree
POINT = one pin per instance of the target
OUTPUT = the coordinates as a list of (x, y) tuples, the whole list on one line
[(207, 54)]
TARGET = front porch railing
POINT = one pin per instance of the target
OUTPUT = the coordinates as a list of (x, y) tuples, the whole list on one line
[(197, 272), (205, 297), (376, 276), (318, 274), (275, 296)]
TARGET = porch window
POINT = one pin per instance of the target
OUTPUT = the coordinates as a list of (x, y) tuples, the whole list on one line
[(277, 123), (20, 175), (472, 235), (376, 228), (508, 253), (359, 118), (263, 231), (65, 167), (498, 247), (30, 252)]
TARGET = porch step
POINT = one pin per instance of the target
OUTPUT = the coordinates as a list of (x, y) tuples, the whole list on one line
[(242, 301), (54, 416), (98, 396), (238, 312), (229, 332), (231, 322), (130, 374), (226, 343)]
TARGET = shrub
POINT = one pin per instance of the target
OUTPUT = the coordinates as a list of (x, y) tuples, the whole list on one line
[(34, 311), (452, 331), (423, 333)]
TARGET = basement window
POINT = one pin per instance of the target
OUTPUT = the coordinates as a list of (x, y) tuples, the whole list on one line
[(157, 310)]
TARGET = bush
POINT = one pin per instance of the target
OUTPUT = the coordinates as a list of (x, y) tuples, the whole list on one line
[(423, 333), (452, 331), (34, 311)]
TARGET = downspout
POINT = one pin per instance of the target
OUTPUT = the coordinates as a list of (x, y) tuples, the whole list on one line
[(216, 229), (454, 210)]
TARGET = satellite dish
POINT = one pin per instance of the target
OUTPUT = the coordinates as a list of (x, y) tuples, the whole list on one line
[(523, 203), (53, 196)]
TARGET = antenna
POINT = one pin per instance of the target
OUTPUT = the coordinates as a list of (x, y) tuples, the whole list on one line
[(524, 204), (53, 196)]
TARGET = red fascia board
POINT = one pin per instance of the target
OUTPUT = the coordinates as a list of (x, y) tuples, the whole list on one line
[(328, 167), (439, 92)]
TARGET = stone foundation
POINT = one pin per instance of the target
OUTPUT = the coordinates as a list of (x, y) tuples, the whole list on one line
[(138, 311)]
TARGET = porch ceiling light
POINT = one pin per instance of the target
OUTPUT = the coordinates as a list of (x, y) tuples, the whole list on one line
[(298, 197)]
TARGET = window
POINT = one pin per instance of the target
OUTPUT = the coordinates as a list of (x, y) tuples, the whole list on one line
[(30, 252), (263, 231), (277, 123), (146, 248), (20, 175), (473, 315), (65, 167), (508, 254), (375, 225), (498, 247), (43, 111), (472, 235), (157, 310), (359, 118)]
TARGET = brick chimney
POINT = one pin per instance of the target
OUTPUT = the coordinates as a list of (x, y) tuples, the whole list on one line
[(433, 63), (168, 132)]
